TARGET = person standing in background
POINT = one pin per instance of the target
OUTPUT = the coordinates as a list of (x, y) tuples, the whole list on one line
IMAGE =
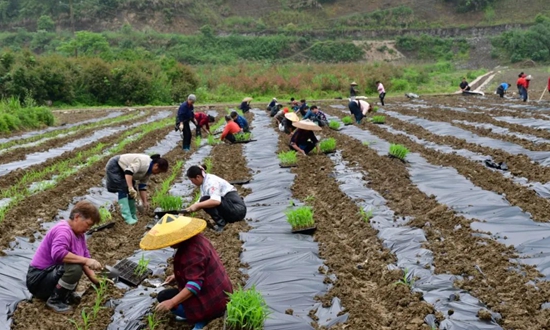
[(185, 115), (381, 92)]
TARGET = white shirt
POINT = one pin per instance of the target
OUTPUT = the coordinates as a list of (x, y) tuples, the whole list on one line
[(215, 187)]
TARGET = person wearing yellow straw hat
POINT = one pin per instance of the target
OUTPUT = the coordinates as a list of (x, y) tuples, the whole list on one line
[(304, 140), (245, 104), (203, 284), (352, 90), (286, 122), (218, 198)]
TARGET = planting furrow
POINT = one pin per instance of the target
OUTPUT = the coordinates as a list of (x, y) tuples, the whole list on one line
[(483, 262), (417, 262), (18, 150), (41, 157), (57, 128), (284, 267)]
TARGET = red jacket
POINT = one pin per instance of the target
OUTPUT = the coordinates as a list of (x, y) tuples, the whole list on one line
[(230, 128), (522, 82), (549, 84), (202, 119)]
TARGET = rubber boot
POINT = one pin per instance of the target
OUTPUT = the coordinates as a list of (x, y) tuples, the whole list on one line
[(133, 209), (58, 300), (73, 298), (220, 223), (125, 211)]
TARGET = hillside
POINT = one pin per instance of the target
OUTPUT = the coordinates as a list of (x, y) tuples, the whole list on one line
[(187, 16)]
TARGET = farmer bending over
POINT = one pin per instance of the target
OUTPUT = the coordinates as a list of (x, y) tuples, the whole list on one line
[(202, 282), (231, 128), (241, 121), (62, 258), (218, 198), (502, 88), (359, 109), (122, 173), (304, 140), (203, 123)]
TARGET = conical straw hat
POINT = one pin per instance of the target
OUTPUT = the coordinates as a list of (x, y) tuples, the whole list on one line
[(292, 116), (171, 230), (353, 84), (247, 99), (307, 124)]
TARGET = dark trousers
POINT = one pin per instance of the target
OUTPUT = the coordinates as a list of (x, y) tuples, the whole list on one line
[(186, 135), (42, 282), (523, 93), (231, 138), (358, 116), (198, 132), (500, 91), (231, 209), (306, 147), (382, 96)]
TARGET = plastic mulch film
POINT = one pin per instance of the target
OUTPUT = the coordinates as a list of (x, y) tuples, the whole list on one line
[(284, 267), (504, 131), (527, 122), (27, 135), (406, 243), (446, 129), (491, 212), (136, 302), (41, 157)]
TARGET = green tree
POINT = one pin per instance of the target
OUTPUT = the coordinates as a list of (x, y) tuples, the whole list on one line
[(45, 23), (88, 44)]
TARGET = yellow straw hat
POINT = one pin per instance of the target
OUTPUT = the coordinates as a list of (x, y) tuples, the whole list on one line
[(247, 99), (171, 230), (353, 84), (308, 125), (292, 116)]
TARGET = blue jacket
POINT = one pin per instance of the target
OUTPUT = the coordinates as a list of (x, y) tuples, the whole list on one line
[(241, 121), (185, 112), (504, 86), (309, 115)]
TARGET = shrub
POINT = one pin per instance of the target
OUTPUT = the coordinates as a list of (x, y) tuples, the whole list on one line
[(288, 158), (328, 145), (334, 124), (398, 151), (347, 120), (300, 218), (246, 309), (378, 119), (14, 115)]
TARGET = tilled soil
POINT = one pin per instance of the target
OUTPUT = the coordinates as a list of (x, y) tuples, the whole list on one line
[(456, 250)]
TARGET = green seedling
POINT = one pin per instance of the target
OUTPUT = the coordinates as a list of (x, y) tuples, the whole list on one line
[(243, 136), (334, 124), (309, 198), (328, 145), (85, 321), (366, 216), (153, 321), (301, 217), (142, 266), (101, 290), (246, 310), (208, 163), (168, 202), (288, 158), (398, 151), (104, 214), (198, 141), (407, 279), (212, 140), (347, 120), (378, 119), (375, 109)]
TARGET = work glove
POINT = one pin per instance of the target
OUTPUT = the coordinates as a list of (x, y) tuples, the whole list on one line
[(181, 126), (132, 192)]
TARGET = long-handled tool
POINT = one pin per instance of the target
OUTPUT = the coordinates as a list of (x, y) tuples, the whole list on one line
[(544, 91)]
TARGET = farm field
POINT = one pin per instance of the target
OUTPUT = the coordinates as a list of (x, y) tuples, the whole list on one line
[(452, 237)]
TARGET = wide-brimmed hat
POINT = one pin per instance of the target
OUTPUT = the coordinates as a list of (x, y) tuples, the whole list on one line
[(353, 84), (292, 116), (307, 124), (171, 230), (529, 77), (247, 99)]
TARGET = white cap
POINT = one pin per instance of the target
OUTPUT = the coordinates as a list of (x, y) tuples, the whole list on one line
[(274, 99), (192, 97)]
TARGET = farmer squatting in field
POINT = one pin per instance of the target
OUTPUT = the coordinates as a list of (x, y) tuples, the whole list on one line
[(122, 173), (202, 282), (303, 140), (218, 198), (62, 258)]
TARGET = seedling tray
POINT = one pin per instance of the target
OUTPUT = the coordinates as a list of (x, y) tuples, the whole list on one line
[(329, 152), (100, 228), (348, 124), (160, 214), (288, 166), (246, 141), (336, 129), (239, 182), (305, 231), (127, 275)]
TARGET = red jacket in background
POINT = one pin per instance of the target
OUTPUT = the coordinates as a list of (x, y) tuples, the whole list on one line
[(202, 119), (549, 84), (522, 82)]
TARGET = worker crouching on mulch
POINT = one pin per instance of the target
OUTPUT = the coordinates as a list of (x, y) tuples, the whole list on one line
[(218, 198), (231, 128), (304, 140), (62, 258), (203, 283), (122, 173)]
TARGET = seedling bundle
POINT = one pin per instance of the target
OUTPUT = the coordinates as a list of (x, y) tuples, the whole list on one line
[(288, 159), (347, 120), (378, 119), (243, 137), (398, 151), (328, 145), (333, 124), (246, 310), (301, 219)]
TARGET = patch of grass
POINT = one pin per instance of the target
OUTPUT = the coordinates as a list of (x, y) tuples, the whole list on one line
[(246, 309), (288, 157), (243, 136), (378, 119), (398, 151), (334, 124), (328, 145), (347, 120), (301, 217)]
